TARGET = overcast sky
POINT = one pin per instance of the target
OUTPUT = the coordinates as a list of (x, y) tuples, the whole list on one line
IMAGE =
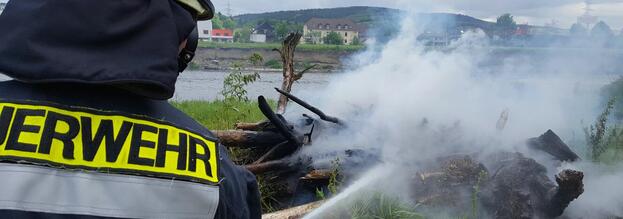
[(562, 13)]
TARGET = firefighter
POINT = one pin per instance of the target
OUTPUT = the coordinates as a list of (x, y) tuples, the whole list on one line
[(85, 127)]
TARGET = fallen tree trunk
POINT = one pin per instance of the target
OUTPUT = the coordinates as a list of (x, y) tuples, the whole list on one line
[(296, 212), (248, 139)]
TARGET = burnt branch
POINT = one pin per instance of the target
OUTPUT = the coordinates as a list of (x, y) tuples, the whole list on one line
[(293, 142), (275, 120), (300, 74), (553, 145), (276, 151), (311, 108), (279, 51), (248, 126), (268, 166), (248, 139)]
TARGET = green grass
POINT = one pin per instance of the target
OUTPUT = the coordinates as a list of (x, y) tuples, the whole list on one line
[(221, 115), (374, 205), (269, 46)]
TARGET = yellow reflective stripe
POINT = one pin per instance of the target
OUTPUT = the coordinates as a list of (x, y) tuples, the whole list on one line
[(104, 141)]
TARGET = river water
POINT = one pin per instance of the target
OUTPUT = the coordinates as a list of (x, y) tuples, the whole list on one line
[(206, 85), (201, 85)]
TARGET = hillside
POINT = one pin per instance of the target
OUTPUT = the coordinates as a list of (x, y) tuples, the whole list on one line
[(381, 23), (371, 17), (359, 14)]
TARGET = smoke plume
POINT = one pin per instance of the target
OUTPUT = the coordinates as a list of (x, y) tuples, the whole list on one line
[(412, 103)]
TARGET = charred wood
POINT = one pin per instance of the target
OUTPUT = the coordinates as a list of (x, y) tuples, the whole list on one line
[(293, 142), (317, 175), (311, 108), (277, 165), (519, 188), (570, 187), (259, 126), (273, 153), (550, 143), (249, 139)]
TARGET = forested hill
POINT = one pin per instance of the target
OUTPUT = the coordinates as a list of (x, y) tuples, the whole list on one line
[(380, 23), (358, 14)]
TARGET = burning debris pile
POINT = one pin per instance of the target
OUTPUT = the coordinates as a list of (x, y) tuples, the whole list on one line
[(508, 184)]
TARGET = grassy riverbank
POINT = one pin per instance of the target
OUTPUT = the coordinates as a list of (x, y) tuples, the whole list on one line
[(221, 115), (269, 46)]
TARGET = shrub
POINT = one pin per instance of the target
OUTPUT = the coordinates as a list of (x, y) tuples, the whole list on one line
[(235, 83), (274, 64)]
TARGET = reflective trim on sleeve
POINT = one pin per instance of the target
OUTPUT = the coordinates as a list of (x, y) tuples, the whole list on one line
[(42, 189)]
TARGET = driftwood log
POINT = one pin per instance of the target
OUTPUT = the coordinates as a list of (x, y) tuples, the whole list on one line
[(294, 213)]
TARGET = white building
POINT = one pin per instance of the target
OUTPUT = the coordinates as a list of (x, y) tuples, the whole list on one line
[(205, 30), (258, 38), (262, 33)]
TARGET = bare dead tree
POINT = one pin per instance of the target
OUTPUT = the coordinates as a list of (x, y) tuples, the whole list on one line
[(286, 52)]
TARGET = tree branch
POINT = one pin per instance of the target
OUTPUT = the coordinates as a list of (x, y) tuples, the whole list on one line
[(300, 74)]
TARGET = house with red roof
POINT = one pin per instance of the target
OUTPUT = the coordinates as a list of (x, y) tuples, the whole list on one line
[(223, 35)]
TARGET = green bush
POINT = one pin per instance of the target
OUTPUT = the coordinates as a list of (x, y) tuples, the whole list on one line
[(274, 64), (614, 90), (333, 38), (235, 83), (604, 140)]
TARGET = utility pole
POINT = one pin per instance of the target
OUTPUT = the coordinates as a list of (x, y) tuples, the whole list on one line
[(228, 10)]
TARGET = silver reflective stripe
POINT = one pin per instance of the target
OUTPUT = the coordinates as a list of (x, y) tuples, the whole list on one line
[(42, 189)]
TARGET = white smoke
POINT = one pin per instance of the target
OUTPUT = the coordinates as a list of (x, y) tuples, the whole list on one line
[(459, 93)]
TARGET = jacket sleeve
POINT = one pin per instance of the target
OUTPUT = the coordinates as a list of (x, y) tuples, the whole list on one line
[(239, 193)]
